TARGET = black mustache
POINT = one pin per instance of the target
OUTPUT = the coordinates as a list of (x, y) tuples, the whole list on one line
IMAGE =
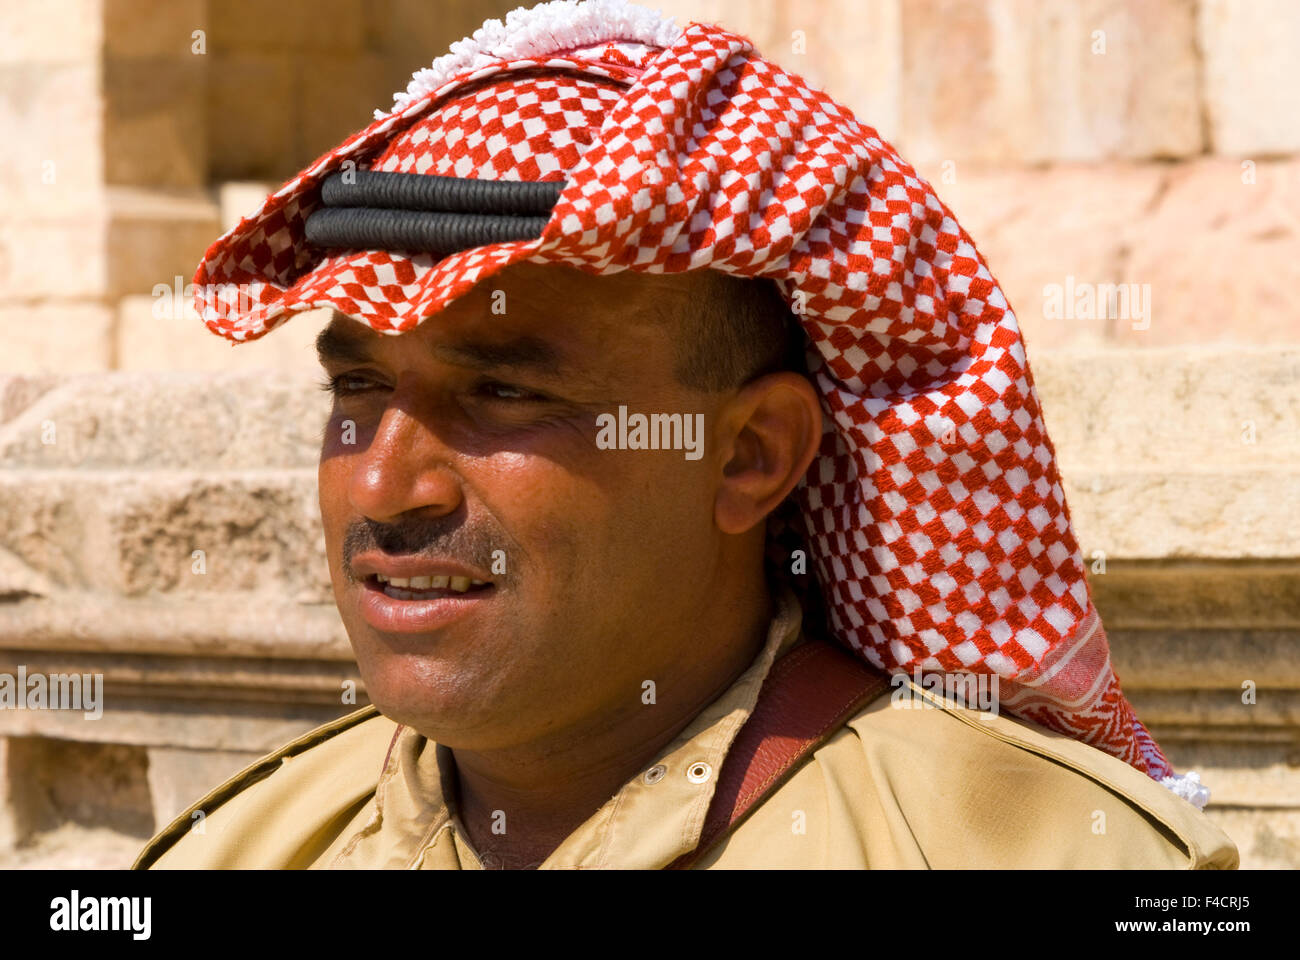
[(444, 538)]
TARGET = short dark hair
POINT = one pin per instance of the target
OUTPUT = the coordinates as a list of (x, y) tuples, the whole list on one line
[(737, 329)]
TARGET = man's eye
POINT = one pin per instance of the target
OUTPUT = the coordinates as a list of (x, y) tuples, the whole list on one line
[(346, 384), (495, 390)]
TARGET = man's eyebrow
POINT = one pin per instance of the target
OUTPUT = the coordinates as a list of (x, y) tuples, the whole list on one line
[(335, 346), (522, 353)]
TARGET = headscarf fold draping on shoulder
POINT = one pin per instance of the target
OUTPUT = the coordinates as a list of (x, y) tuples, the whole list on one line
[(934, 512)]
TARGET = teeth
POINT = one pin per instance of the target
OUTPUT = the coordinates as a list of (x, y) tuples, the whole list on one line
[(459, 584)]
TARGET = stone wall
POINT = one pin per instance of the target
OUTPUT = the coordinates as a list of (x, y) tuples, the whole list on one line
[(1152, 143)]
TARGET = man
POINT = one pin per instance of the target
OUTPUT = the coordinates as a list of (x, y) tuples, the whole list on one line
[(569, 513)]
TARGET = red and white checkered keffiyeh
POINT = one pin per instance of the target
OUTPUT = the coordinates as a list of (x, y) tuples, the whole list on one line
[(934, 512)]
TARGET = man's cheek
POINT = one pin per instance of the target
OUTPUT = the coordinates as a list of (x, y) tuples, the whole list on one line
[(347, 431), (544, 503), (331, 479)]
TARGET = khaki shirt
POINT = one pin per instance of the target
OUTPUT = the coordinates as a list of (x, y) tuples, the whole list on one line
[(937, 785)]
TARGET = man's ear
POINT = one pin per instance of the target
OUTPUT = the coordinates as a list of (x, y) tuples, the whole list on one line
[(773, 428)]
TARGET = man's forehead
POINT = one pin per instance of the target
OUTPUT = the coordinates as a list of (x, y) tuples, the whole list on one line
[(532, 316)]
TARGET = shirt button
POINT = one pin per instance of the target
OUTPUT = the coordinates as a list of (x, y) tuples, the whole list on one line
[(698, 772), (655, 773)]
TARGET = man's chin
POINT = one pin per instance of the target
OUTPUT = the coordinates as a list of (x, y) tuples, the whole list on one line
[(442, 711)]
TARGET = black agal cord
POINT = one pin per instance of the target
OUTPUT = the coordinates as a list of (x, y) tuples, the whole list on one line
[(373, 210)]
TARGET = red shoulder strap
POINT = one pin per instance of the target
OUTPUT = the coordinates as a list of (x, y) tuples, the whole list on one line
[(809, 694)]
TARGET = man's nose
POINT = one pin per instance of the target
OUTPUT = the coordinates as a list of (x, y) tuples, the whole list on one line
[(406, 467)]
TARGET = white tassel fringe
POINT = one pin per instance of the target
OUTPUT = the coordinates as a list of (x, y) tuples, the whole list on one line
[(538, 31), (1189, 787)]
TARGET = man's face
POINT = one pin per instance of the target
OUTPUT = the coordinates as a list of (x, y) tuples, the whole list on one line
[(474, 455)]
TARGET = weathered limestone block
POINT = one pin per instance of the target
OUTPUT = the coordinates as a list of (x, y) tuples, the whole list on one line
[(1212, 252), (1203, 513), (155, 133), (1218, 250), (99, 92), (10, 828), (57, 337), (153, 335), (238, 199), (1268, 839), (1172, 410), (1251, 100), (126, 242), (170, 421), (852, 50), (57, 31), (1177, 453), (1239, 602), (412, 32), (225, 679), (337, 94), (1032, 81), (75, 847), (179, 777), (1037, 229), (61, 258), (138, 29), (252, 115), (1254, 782), (1188, 658), (155, 237), (298, 25), (53, 109), (193, 533), (1215, 712), (1242, 772), (57, 781), (17, 393)]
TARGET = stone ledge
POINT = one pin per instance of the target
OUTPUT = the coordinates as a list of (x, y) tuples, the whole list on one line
[(1205, 711), (225, 625), (1229, 597), (222, 679), (1171, 408), (1207, 513), (1193, 659), (194, 725)]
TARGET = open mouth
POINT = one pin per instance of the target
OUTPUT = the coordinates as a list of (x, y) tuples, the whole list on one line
[(424, 588)]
